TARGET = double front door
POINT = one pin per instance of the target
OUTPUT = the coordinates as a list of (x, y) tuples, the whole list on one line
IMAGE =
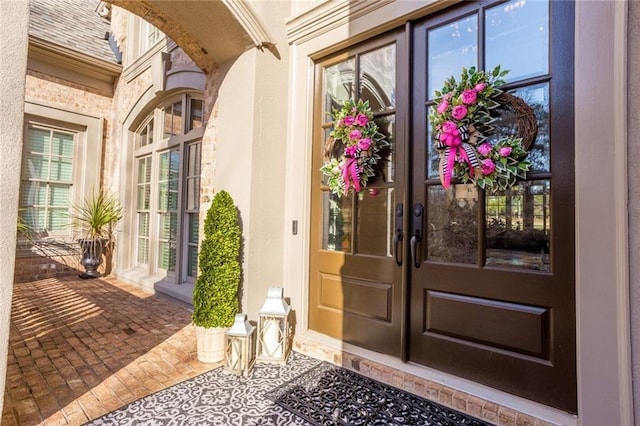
[(474, 283)]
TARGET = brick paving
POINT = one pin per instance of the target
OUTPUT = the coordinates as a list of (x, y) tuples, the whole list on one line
[(79, 349)]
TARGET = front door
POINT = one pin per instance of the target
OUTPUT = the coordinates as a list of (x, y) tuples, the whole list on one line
[(482, 284)]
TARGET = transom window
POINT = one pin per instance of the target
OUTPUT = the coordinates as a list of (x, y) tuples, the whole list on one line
[(168, 152)]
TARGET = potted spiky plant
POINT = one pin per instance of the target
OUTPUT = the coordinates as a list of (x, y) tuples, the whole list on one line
[(96, 216), (215, 294)]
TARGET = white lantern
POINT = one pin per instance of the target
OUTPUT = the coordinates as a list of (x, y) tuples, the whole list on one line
[(239, 354), (273, 328)]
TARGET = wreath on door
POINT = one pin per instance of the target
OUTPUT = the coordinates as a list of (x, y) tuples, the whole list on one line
[(352, 150), (461, 122)]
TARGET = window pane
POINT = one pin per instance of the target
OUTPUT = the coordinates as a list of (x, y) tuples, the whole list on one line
[(338, 81), (452, 224), (34, 193), (144, 170), (518, 38), (195, 119), (375, 221), (167, 241), (192, 247), (192, 261), (518, 226), (168, 226), (58, 219), (173, 120), (35, 218), (193, 228), (193, 193), (37, 167), (59, 195), (38, 141), (193, 159), (143, 251), (451, 47), (336, 222), (150, 128), (378, 78), (62, 144), (143, 238), (61, 169)]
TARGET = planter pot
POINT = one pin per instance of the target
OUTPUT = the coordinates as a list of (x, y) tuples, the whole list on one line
[(91, 257), (210, 343)]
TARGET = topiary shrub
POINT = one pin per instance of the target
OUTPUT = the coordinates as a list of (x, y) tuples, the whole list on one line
[(215, 295)]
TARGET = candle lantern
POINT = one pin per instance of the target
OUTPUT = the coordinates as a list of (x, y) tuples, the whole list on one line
[(239, 354), (273, 328)]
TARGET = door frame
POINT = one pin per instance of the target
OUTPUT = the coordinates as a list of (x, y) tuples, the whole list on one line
[(316, 32)]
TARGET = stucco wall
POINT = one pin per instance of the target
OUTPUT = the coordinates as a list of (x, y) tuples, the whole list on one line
[(633, 50), (251, 126), (14, 17)]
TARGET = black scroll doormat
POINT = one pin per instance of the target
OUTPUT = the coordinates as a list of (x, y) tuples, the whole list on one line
[(329, 395)]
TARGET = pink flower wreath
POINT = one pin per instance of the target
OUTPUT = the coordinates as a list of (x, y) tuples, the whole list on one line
[(358, 136), (461, 123)]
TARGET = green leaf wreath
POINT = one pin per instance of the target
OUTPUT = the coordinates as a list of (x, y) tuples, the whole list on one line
[(461, 122), (358, 137)]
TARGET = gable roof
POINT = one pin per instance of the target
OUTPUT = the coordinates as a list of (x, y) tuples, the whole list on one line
[(73, 24)]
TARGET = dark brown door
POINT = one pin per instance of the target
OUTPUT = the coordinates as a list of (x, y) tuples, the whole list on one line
[(492, 284), (487, 292), (356, 289)]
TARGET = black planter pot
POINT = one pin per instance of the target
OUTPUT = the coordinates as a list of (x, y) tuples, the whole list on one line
[(91, 257)]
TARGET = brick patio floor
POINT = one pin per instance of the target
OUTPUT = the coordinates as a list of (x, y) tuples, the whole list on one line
[(79, 349)]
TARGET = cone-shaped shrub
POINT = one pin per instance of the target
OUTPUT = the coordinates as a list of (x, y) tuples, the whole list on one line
[(215, 296)]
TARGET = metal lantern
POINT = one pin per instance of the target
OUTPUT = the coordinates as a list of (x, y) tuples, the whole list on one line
[(239, 354), (273, 328)]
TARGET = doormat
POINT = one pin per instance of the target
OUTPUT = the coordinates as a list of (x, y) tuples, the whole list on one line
[(329, 395)]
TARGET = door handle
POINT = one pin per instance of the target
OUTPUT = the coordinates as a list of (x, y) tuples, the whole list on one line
[(398, 234), (417, 235)]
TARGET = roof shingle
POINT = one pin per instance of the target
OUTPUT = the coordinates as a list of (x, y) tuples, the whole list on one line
[(73, 24)]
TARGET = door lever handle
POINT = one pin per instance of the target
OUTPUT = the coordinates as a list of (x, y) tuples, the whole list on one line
[(417, 235), (398, 234)]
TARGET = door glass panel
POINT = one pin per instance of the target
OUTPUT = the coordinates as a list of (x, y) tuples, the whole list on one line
[(452, 224), (337, 214), (518, 226), (537, 97), (386, 169), (339, 85), (517, 35), (377, 78), (451, 47), (375, 221), (433, 157)]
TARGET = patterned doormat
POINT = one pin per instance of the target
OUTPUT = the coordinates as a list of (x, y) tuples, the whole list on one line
[(303, 392), (330, 395)]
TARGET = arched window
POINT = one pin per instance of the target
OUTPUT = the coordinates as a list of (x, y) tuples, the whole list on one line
[(167, 153)]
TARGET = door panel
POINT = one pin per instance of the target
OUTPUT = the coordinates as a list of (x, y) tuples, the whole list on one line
[(356, 290), (492, 294)]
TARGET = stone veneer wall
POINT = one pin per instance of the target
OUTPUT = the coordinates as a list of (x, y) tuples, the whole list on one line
[(52, 257)]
